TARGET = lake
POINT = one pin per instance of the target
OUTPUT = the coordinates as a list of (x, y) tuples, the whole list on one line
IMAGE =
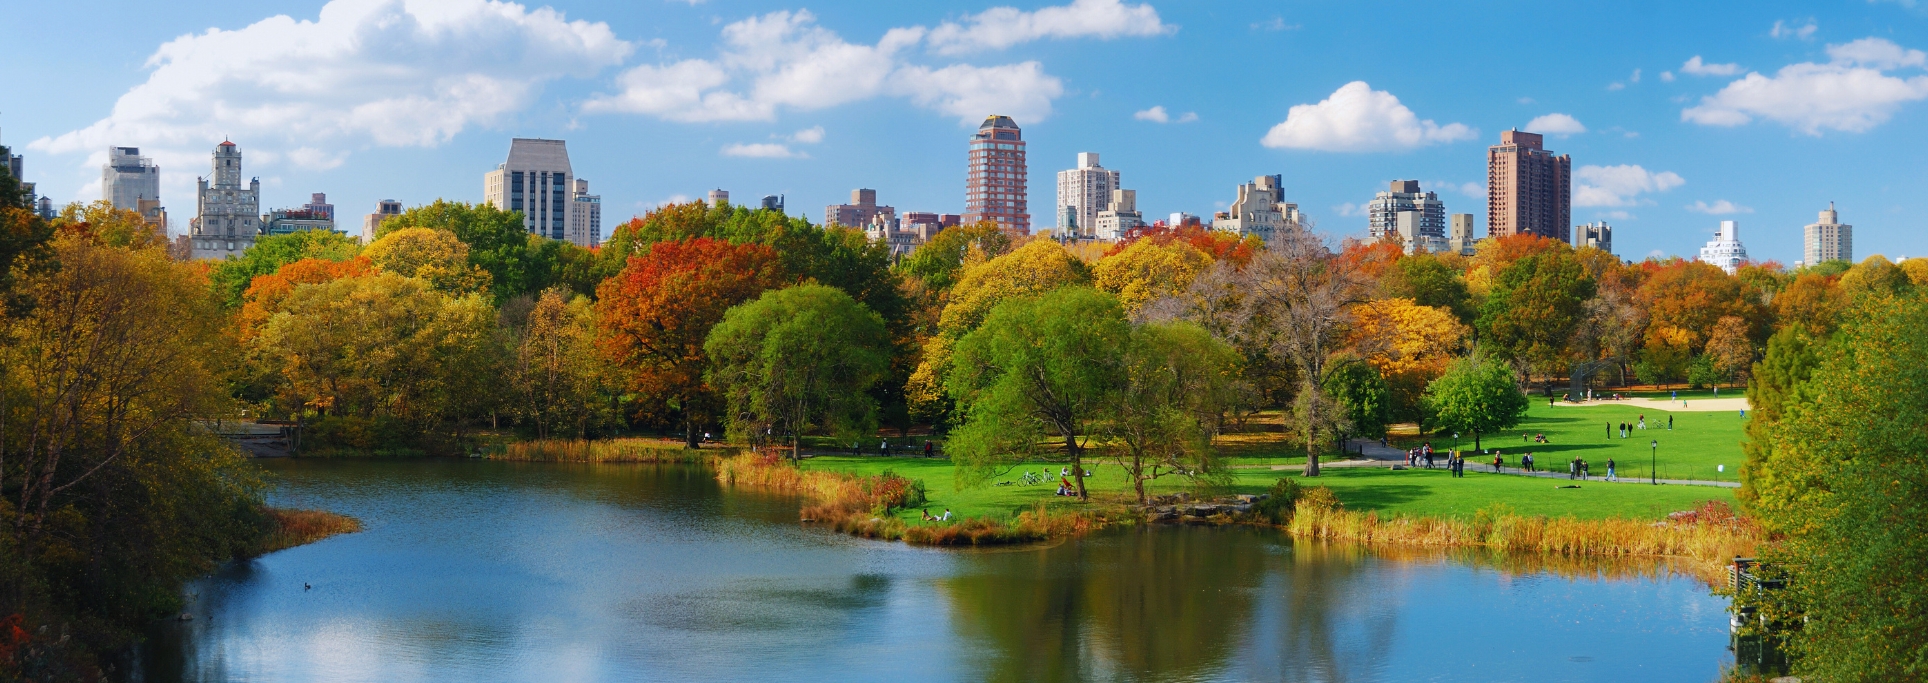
[(490, 571)]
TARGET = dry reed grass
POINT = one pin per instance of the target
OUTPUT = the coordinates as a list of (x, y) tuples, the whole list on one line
[(290, 528), (606, 450), (1708, 537)]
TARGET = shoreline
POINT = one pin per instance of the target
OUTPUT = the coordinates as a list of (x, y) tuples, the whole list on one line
[(290, 527), (1704, 539)]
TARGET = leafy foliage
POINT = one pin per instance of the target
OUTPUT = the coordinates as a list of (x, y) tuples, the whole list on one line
[(270, 252), (797, 361), (1477, 396)]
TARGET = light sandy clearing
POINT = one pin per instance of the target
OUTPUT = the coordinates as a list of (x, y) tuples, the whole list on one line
[(1698, 405)]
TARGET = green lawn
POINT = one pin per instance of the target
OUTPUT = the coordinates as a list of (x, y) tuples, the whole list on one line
[(1413, 492), (1693, 449)]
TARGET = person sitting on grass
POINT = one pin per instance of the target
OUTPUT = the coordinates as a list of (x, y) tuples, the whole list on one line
[(926, 514), (946, 517)]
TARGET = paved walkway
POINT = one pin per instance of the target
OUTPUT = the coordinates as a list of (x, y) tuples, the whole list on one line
[(1379, 455)]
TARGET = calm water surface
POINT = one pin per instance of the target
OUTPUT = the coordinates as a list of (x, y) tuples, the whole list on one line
[(476, 571)]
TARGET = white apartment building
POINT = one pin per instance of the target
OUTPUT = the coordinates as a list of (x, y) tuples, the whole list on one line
[(1827, 239), (1418, 218), (1119, 217), (1082, 193), (128, 177), (1725, 249), (227, 216), (585, 216), (1260, 211), (537, 181)]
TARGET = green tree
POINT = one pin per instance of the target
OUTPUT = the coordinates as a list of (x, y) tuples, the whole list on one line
[(799, 361), (558, 373), (1849, 491), (270, 252), (1362, 396), (1177, 380), (1476, 395), (1532, 311), (936, 263), (1429, 281), (1036, 368), (1774, 384)]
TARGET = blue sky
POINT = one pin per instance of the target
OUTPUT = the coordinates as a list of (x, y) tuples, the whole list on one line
[(1678, 115)]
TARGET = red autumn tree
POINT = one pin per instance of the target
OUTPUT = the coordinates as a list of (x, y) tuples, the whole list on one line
[(656, 313)]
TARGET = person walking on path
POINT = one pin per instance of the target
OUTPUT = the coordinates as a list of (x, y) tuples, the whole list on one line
[(1499, 462), (1611, 476), (1584, 472)]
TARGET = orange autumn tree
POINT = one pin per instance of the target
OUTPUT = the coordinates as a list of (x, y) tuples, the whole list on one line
[(266, 293), (656, 313), (1409, 344)]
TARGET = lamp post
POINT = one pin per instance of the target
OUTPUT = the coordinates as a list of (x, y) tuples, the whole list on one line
[(1653, 456)]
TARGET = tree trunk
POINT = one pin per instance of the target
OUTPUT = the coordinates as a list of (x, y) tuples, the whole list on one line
[(1476, 447), (1311, 444), (1077, 464), (689, 434)]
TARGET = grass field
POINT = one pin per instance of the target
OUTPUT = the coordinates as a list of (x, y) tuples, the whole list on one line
[(1697, 447), (1409, 492)]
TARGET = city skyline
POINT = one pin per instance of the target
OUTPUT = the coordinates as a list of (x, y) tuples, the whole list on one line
[(1668, 136)]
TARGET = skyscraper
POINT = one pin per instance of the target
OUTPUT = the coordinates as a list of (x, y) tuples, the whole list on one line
[(227, 216), (1119, 217), (1827, 239), (537, 181), (1597, 235), (128, 177), (585, 215), (1528, 189), (1725, 249), (1418, 218), (995, 189), (1260, 210), (1082, 193)]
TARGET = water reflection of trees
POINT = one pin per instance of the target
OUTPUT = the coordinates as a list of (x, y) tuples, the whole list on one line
[(1148, 603)]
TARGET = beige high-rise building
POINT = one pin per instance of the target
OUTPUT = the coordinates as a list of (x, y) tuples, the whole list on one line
[(1119, 217), (372, 223), (537, 181), (227, 215), (1528, 189), (1462, 240), (995, 188), (1260, 210), (1827, 239), (860, 212), (1082, 193)]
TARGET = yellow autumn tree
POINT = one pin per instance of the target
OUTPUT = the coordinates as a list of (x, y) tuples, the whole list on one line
[(1410, 345), (1147, 271), (429, 254)]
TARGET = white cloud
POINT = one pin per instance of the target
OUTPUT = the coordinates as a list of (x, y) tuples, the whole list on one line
[(1526, 100), (1698, 68), (1617, 215), (1636, 76), (1357, 118), (1474, 190), (391, 73), (1803, 31), (1613, 186), (1667, 76), (1275, 24), (1349, 209), (760, 150), (1556, 124), (808, 136), (1850, 94), (1158, 114), (1616, 85), (784, 60), (1718, 208), (1002, 27), (1878, 54)]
